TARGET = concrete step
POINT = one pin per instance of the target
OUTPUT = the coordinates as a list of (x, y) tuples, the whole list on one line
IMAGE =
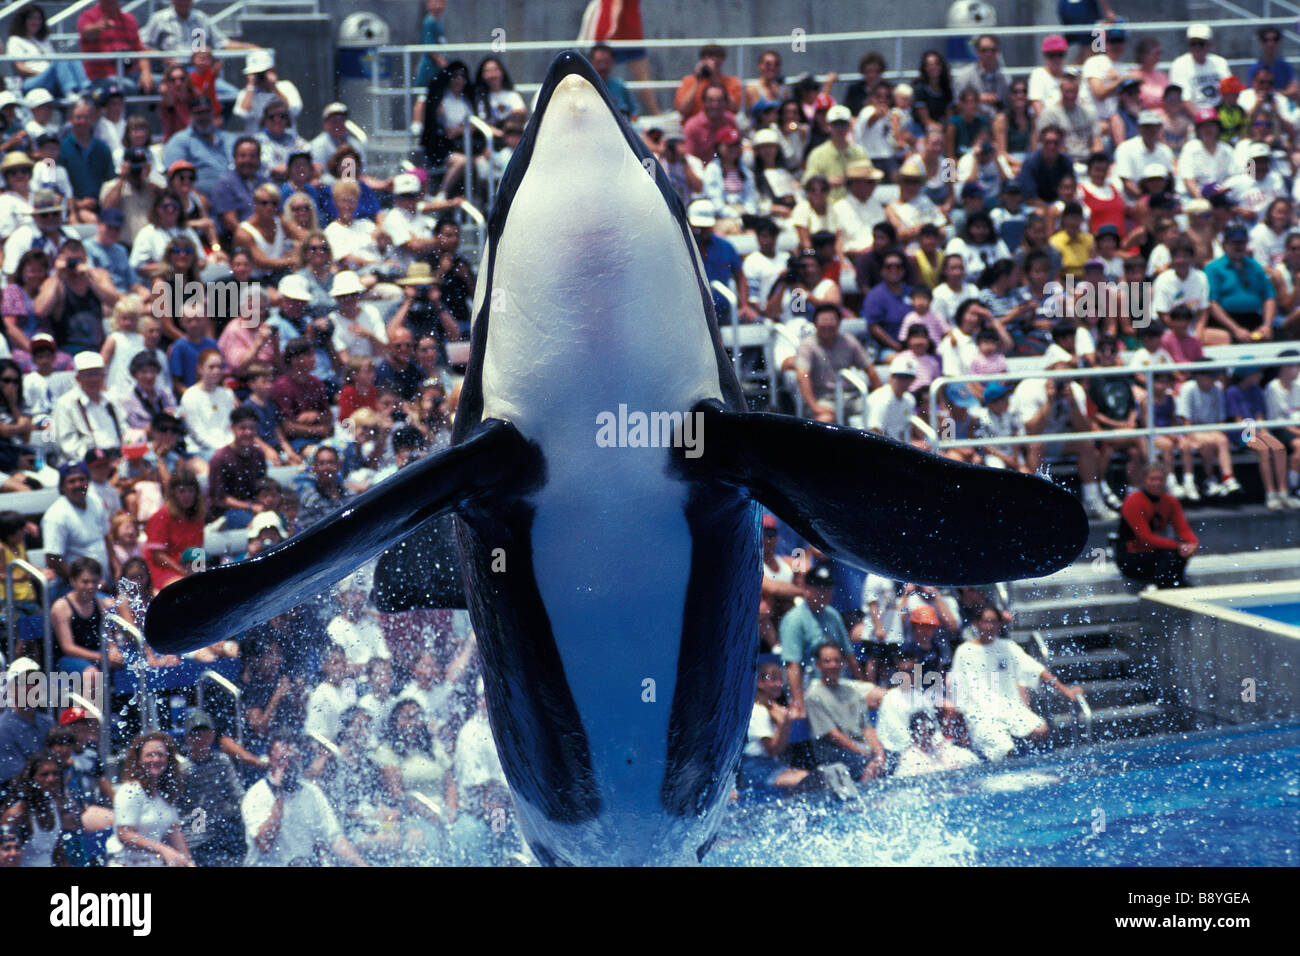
[(1098, 663), (1224, 529), (1100, 611), (1110, 692), (1112, 723)]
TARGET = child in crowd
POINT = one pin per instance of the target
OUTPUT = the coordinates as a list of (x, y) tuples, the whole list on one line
[(1152, 352), (990, 360), (124, 536), (1165, 415), (923, 315), (270, 431), (1246, 403), (122, 344), (206, 406), (996, 419), (1200, 402)]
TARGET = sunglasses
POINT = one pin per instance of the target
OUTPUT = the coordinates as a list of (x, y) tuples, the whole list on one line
[(1054, 54), (183, 251), (47, 215), (168, 205), (318, 249), (267, 202), (190, 177), (10, 380), (283, 116), (20, 171), (1195, 43)]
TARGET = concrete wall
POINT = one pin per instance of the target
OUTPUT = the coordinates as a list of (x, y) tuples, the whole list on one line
[(1199, 662)]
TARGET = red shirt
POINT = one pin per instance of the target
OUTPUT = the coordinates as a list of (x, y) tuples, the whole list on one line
[(174, 535), (628, 25), (350, 399), (120, 33), (1145, 522), (294, 399)]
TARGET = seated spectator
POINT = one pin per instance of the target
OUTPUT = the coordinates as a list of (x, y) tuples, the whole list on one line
[(807, 627), (235, 472), (271, 438), (1242, 301), (88, 160), (356, 630), (358, 328), (285, 816), (410, 230), (357, 244), (1045, 167), (45, 231), (266, 238), (415, 762), (14, 529), (36, 810), (29, 36), (482, 828), (124, 537), (147, 397), (23, 724), (15, 207), (84, 417), (276, 103), (181, 177), (1074, 245), (210, 792), (302, 398), (207, 148), (448, 109), (174, 529), (167, 222), (324, 493), (16, 454), (1246, 403), (250, 340), (930, 751), (1204, 160), (334, 694), (77, 621), (353, 782), (703, 130), (183, 359), (761, 766), (146, 823), (379, 698), (1200, 402), (1077, 119), (206, 406), (1144, 553), (232, 193), (913, 208), (988, 681), (891, 406), (822, 357), (838, 721)]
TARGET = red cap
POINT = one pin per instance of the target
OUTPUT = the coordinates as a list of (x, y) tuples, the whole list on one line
[(179, 166), (924, 615), (1206, 114), (1055, 44), (824, 101), (728, 134), (71, 715), (1230, 84), (769, 521)]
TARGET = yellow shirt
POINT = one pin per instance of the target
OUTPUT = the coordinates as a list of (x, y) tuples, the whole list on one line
[(1074, 253), (927, 273), (24, 590), (826, 160)]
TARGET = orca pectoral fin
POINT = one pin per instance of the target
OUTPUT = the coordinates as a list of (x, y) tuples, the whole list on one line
[(422, 570), (222, 603), (889, 507)]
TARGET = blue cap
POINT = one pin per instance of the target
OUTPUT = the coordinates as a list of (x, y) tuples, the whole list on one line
[(75, 468), (1235, 233), (112, 217), (960, 395), (972, 191), (994, 391)]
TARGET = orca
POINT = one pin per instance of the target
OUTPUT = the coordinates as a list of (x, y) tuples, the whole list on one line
[(613, 585)]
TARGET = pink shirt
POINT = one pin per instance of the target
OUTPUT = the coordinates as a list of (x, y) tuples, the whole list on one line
[(994, 364), (933, 322), (1186, 349), (236, 344)]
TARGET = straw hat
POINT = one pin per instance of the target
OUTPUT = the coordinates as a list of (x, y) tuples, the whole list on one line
[(418, 274)]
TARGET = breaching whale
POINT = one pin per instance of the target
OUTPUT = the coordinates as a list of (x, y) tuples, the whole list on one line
[(613, 584)]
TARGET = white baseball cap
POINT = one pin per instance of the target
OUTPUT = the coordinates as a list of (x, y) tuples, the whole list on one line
[(406, 184), (700, 214), (87, 361), (1260, 151), (1150, 171), (294, 286), (263, 521), (347, 283), (904, 363), (259, 61), (37, 97), (766, 137), (1199, 31), (20, 667), (839, 114), (1150, 118)]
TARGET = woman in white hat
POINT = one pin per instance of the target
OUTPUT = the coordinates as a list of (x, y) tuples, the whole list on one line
[(262, 86), (278, 139)]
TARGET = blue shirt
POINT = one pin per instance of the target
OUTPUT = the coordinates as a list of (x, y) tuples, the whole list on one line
[(1243, 289), (367, 204), (881, 307), (721, 262), (88, 168), (232, 191), (268, 420), (621, 95), (211, 155), (115, 260), (1282, 73), (183, 360), (430, 33)]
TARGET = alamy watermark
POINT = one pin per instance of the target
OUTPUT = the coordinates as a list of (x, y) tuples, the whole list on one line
[(1086, 300), (637, 429), (57, 689), (224, 299)]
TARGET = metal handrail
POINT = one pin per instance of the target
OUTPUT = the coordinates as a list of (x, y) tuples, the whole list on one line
[(145, 702), (38, 577), (325, 742), (1149, 431), (734, 302), (230, 688)]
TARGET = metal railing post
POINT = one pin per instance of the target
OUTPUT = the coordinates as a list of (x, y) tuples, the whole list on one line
[(38, 578), (734, 304), (230, 688), (145, 702), (469, 159)]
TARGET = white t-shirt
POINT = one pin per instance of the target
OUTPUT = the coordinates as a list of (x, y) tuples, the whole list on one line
[(1283, 402), (977, 258), (761, 273), (1101, 67), (760, 726), (402, 227), (1044, 87), (72, 533), (1266, 246), (896, 709), (989, 424), (434, 700), (858, 219), (325, 705), (804, 215), (354, 240), (358, 345), (944, 301), (40, 393), (306, 821), (1168, 291), (1031, 395), (889, 414), (376, 708), (1200, 81), (989, 675), (1202, 167), (152, 817), (361, 640), (1132, 158), (477, 762), (956, 351), (207, 416), (880, 591)]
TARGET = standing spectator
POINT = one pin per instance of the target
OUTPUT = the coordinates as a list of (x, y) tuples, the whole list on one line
[(621, 20), (431, 32), (146, 824), (692, 92), (985, 76), (106, 28), (203, 145), (174, 529), (1083, 13), (173, 30), (285, 817), (1143, 552), (1198, 72)]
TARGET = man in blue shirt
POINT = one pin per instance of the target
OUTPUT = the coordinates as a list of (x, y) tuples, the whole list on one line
[(106, 251), (1242, 302), (202, 144), (88, 160), (721, 262), (232, 196), (602, 59), (1045, 167), (1284, 81), (808, 626)]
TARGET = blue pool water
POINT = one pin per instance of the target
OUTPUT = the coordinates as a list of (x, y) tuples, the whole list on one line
[(1288, 613), (1220, 798)]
